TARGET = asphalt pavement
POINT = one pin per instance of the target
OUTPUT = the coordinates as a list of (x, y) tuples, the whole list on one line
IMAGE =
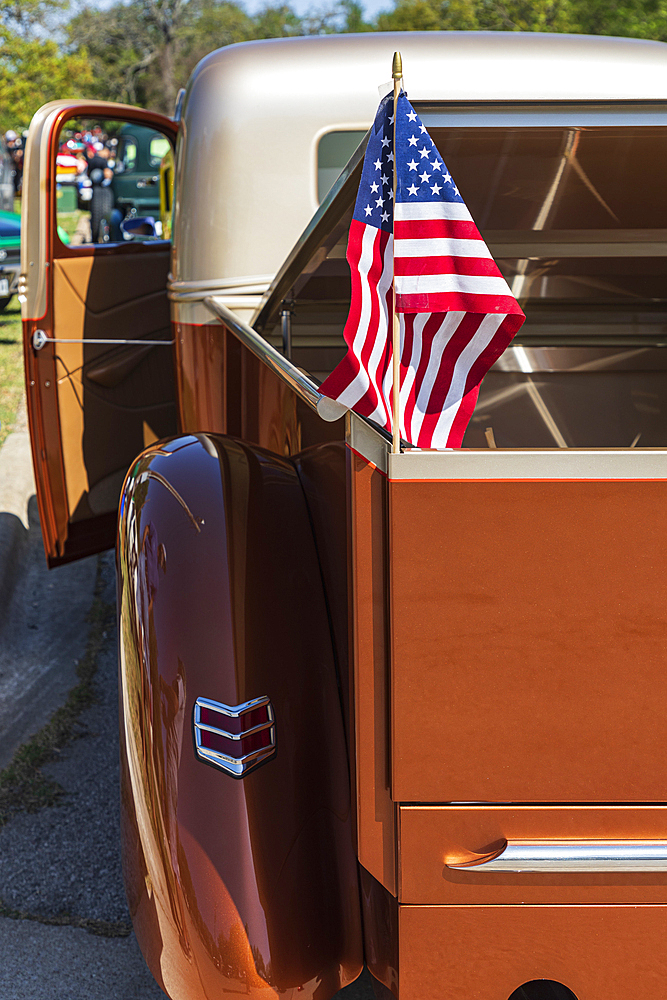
[(65, 929), (67, 935)]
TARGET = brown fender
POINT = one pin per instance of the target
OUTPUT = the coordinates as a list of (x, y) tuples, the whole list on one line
[(235, 885)]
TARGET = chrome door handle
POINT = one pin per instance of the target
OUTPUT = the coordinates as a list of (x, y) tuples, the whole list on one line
[(562, 856)]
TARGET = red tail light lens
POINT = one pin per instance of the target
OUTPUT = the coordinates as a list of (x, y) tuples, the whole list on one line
[(235, 738), (234, 724)]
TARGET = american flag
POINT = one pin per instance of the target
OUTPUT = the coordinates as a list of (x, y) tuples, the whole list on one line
[(457, 313)]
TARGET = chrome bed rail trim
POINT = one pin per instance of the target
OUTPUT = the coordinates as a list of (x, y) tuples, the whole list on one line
[(327, 408), (527, 463), (197, 291), (367, 440), (572, 857), (540, 114)]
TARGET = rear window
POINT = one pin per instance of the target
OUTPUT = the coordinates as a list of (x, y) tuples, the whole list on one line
[(333, 152), (159, 147), (127, 156)]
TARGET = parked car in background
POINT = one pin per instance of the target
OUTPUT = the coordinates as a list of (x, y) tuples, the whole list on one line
[(10, 256), (136, 180), (402, 709)]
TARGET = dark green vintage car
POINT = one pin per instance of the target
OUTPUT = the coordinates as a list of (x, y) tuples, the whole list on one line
[(136, 181)]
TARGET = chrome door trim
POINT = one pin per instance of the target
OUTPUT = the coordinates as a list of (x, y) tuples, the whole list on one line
[(561, 856)]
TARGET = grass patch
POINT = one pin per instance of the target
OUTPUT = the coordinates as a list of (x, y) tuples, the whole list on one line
[(23, 787), (12, 386)]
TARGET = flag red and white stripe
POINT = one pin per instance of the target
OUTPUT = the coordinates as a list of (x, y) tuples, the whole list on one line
[(459, 315)]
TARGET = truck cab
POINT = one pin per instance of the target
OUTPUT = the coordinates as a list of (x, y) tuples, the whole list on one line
[(401, 709)]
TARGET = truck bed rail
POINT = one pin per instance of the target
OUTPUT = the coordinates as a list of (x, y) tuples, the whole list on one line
[(303, 386)]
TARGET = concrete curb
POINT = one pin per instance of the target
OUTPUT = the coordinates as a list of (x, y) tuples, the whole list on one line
[(17, 485), (43, 626)]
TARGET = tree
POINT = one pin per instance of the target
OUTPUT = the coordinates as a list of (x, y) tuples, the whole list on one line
[(118, 49), (29, 17), (143, 52), (34, 70), (634, 18), (212, 24), (164, 19), (430, 15)]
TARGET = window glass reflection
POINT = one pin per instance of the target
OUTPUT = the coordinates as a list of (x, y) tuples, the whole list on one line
[(108, 183), (607, 177)]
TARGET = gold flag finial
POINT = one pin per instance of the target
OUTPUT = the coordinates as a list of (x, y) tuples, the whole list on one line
[(397, 66)]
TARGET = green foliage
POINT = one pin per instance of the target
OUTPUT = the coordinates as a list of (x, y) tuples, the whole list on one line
[(632, 19), (430, 15), (34, 71), (114, 43), (34, 68), (277, 22), (635, 18)]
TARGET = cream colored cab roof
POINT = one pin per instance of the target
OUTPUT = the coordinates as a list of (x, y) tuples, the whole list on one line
[(254, 113)]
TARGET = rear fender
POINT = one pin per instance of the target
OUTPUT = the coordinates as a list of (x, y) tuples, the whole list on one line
[(243, 884)]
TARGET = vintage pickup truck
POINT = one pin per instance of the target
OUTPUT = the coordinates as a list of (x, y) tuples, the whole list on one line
[(402, 709)]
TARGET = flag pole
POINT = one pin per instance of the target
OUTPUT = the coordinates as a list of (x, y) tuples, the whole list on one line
[(397, 74)]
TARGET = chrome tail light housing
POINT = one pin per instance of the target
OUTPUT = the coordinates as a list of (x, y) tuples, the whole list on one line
[(234, 738)]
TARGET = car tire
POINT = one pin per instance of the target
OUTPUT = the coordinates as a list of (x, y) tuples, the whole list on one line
[(101, 207), (5, 302)]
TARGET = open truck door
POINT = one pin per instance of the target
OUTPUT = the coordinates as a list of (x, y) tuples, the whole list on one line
[(96, 326)]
